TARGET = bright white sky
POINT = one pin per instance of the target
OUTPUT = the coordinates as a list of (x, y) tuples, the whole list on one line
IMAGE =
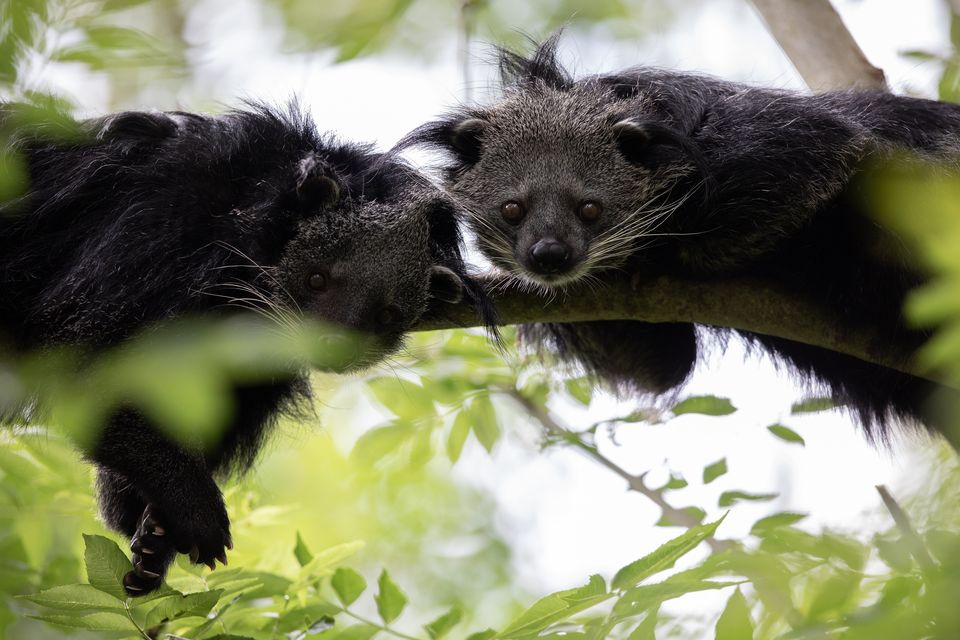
[(567, 517)]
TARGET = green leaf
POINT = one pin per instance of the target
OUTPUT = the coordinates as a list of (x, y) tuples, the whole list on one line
[(353, 632), (99, 621), (713, 471), (944, 545), (852, 552), (408, 400), (580, 389), (764, 525), (897, 589), (705, 405), (421, 449), (106, 565), (771, 577), (812, 405), (163, 591), (694, 515), (646, 630), (390, 599), (75, 596), (735, 623), (786, 434), (377, 443), (729, 498), (676, 481), (486, 634), (301, 551), (835, 593), (182, 606), (322, 563), (483, 419), (555, 607), (664, 557), (649, 596), (442, 625), (921, 55), (348, 584), (458, 436), (303, 617), (14, 176)]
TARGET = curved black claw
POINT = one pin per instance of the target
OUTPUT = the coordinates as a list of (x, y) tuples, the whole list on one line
[(153, 552)]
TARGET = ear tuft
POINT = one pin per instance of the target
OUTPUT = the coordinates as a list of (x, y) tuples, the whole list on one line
[(445, 285), (466, 139), (647, 143), (138, 125), (632, 139), (318, 192), (316, 189)]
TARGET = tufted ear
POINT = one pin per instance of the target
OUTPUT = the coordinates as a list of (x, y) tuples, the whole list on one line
[(445, 285), (316, 187), (138, 125), (647, 143), (466, 139)]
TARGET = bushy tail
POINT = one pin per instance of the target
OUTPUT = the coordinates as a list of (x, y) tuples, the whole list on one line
[(633, 358), (880, 398)]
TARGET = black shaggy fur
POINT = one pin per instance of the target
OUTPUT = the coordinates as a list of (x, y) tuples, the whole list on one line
[(702, 178), (152, 216)]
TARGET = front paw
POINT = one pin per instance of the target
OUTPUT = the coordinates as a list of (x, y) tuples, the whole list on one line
[(153, 552), (203, 533), (200, 530)]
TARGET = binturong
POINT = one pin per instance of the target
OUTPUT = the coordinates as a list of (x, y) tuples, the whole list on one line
[(147, 217), (647, 172)]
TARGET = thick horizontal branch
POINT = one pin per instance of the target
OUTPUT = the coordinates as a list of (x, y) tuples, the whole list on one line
[(746, 304)]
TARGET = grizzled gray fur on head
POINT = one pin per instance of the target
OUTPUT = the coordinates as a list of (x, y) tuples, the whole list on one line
[(651, 172)]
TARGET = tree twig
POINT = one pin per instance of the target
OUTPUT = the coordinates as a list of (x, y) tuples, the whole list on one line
[(813, 36), (634, 482)]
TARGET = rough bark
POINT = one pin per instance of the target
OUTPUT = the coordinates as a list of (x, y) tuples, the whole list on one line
[(818, 44), (748, 304)]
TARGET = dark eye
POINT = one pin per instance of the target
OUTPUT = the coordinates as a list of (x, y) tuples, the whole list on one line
[(590, 211), (511, 211), (389, 316), (317, 282)]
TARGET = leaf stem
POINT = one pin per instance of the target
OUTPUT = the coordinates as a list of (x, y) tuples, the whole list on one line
[(126, 609), (372, 623)]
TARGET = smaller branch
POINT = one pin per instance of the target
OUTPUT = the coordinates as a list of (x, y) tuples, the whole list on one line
[(813, 36), (634, 482), (917, 548)]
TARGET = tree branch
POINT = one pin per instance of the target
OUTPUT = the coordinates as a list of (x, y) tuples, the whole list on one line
[(747, 304), (818, 44), (634, 482)]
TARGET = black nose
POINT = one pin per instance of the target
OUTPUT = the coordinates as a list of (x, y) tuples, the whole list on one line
[(550, 255)]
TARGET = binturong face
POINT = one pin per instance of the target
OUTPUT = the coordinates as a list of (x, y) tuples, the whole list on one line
[(558, 184), (371, 267)]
